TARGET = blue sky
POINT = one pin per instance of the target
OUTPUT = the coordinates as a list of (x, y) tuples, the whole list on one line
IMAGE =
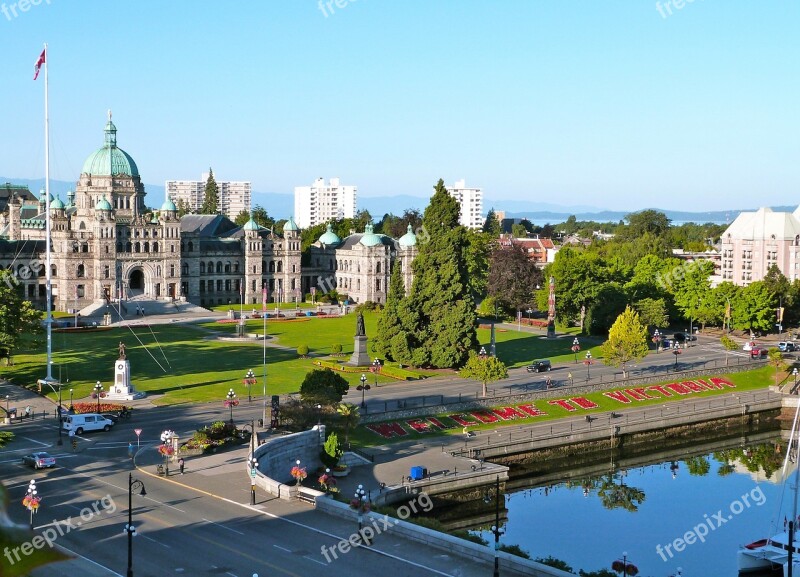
[(609, 104)]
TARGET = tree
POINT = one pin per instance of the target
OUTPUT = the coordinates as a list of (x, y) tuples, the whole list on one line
[(512, 276), (210, 196), (261, 217), (755, 309), (19, 320), (729, 345), (646, 221), (491, 225), (242, 218), (440, 320), (331, 451), (183, 207), (302, 350), (484, 369), (389, 321), (692, 286), (652, 312), (323, 386), (604, 309), (350, 416), (518, 230), (477, 257), (627, 341)]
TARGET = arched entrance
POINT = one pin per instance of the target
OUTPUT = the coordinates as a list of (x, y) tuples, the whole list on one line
[(136, 280)]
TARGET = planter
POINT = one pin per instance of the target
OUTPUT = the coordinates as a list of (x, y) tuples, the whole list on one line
[(340, 472)]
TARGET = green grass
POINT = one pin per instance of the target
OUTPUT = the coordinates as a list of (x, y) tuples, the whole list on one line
[(248, 309), (745, 381), (517, 349)]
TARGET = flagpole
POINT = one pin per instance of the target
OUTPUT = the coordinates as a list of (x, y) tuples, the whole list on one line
[(48, 276)]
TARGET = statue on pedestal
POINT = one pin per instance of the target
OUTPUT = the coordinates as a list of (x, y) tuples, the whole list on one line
[(121, 351), (360, 357), (360, 332)]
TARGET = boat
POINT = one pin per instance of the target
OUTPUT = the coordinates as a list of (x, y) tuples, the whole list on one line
[(771, 554)]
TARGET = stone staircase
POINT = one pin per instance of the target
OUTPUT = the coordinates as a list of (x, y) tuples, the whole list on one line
[(135, 306)]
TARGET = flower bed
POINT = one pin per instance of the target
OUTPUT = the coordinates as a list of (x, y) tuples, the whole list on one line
[(104, 407), (218, 434)]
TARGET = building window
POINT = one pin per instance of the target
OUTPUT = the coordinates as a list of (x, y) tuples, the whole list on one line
[(81, 272), (202, 267), (106, 271), (172, 270)]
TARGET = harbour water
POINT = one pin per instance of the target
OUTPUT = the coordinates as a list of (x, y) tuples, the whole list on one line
[(689, 514)]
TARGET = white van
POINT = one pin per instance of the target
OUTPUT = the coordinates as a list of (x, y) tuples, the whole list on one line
[(87, 422)]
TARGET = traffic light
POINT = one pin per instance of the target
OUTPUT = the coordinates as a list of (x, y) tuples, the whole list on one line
[(74, 445)]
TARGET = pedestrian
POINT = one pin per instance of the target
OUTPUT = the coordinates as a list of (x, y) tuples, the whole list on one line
[(181, 464), (130, 449), (569, 376), (549, 382)]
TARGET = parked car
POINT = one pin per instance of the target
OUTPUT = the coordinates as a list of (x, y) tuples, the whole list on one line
[(539, 366), (684, 337), (759, 353), (39, 460), (786, 347), (111, 417)]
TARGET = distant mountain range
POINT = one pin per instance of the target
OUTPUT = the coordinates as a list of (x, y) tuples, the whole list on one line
[(281, 205)]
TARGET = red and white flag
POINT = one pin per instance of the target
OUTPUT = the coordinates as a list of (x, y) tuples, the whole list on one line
[(41, 60)]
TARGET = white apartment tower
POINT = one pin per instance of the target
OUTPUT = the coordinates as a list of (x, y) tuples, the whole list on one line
[(234, 197), (320, 202), (471, 201)]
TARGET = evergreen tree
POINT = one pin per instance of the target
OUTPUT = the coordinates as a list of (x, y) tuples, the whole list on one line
[(211, 196), (242, 218), (491, 225), (627, 341), (440, 324), (389, 322)]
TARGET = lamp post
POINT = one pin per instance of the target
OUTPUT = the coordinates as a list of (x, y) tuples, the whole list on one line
[(231, 401), (359, 496), (129, 528), (363, 387), (319, 414), (250, 380), (576, 346), (657, 340), (625, 560), (32, 500), (376, 368), (7, 414), (70, 400), (482, 353), (496, 528), (60, 442), (794, 374), (676, 350), (98, 388), (588, 363), (166, 444)]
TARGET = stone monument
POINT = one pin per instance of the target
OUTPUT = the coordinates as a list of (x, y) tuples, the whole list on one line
[(360, 357), (122, 389)]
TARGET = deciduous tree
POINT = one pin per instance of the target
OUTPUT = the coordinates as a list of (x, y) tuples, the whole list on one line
[(627, 341), (19, 320), (485, 369), (323, 386), (512, 276)]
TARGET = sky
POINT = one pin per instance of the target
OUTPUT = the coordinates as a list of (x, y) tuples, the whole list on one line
[(619, 104)]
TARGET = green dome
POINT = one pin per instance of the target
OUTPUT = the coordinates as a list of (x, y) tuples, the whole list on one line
[(169, 206), (409, 238), (251, 225), (290, 225), (370, 238), (57, 204), (43, 198), (110, 160), (329, 237), (103, 204)]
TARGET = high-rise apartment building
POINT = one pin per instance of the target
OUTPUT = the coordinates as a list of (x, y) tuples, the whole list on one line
[(320, 202), (234, 197), (471, 201)]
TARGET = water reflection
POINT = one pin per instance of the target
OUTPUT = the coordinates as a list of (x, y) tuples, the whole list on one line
[(646, 509)]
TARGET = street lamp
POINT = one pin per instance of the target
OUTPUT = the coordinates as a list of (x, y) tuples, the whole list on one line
[(482, 353), (70, 400), (794, 374), (363, 387), (249, 380), (231, 401), (252, 463), (657, 340), (576, 346), (98, 388), (7, 413), (676, 350), (376, 368), (319, 414), (60, 442), (166, 448), (129, 528), (496, 528), (32, 500), (359, 502), (588, 363)]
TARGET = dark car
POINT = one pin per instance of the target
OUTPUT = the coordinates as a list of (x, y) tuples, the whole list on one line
[(113, 417), (39, 460), (684, 337), (539, 366)]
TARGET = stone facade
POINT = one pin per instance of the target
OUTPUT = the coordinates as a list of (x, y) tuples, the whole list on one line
[(107, 245)]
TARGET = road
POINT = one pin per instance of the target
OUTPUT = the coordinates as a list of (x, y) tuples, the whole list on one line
[(180, 529)]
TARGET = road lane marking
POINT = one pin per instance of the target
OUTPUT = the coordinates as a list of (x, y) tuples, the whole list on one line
[(282, 548), (223, 526), (37, 442), (314, 560)]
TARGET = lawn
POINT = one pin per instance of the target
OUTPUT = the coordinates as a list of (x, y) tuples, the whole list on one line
[(745, 381), (517, 349)]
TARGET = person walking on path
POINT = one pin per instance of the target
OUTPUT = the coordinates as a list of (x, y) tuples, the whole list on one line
[(181, 464)]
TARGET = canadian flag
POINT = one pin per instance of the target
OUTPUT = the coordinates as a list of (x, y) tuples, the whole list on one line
[(41, 60)]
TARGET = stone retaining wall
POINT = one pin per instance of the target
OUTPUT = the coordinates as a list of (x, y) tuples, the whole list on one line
[(278, 455), (452, 545)]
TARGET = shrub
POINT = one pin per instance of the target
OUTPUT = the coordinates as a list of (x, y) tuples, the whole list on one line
[(302, 350), (515, 550), (323, 386), (466, 535), (331, 452), (336, 349)]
